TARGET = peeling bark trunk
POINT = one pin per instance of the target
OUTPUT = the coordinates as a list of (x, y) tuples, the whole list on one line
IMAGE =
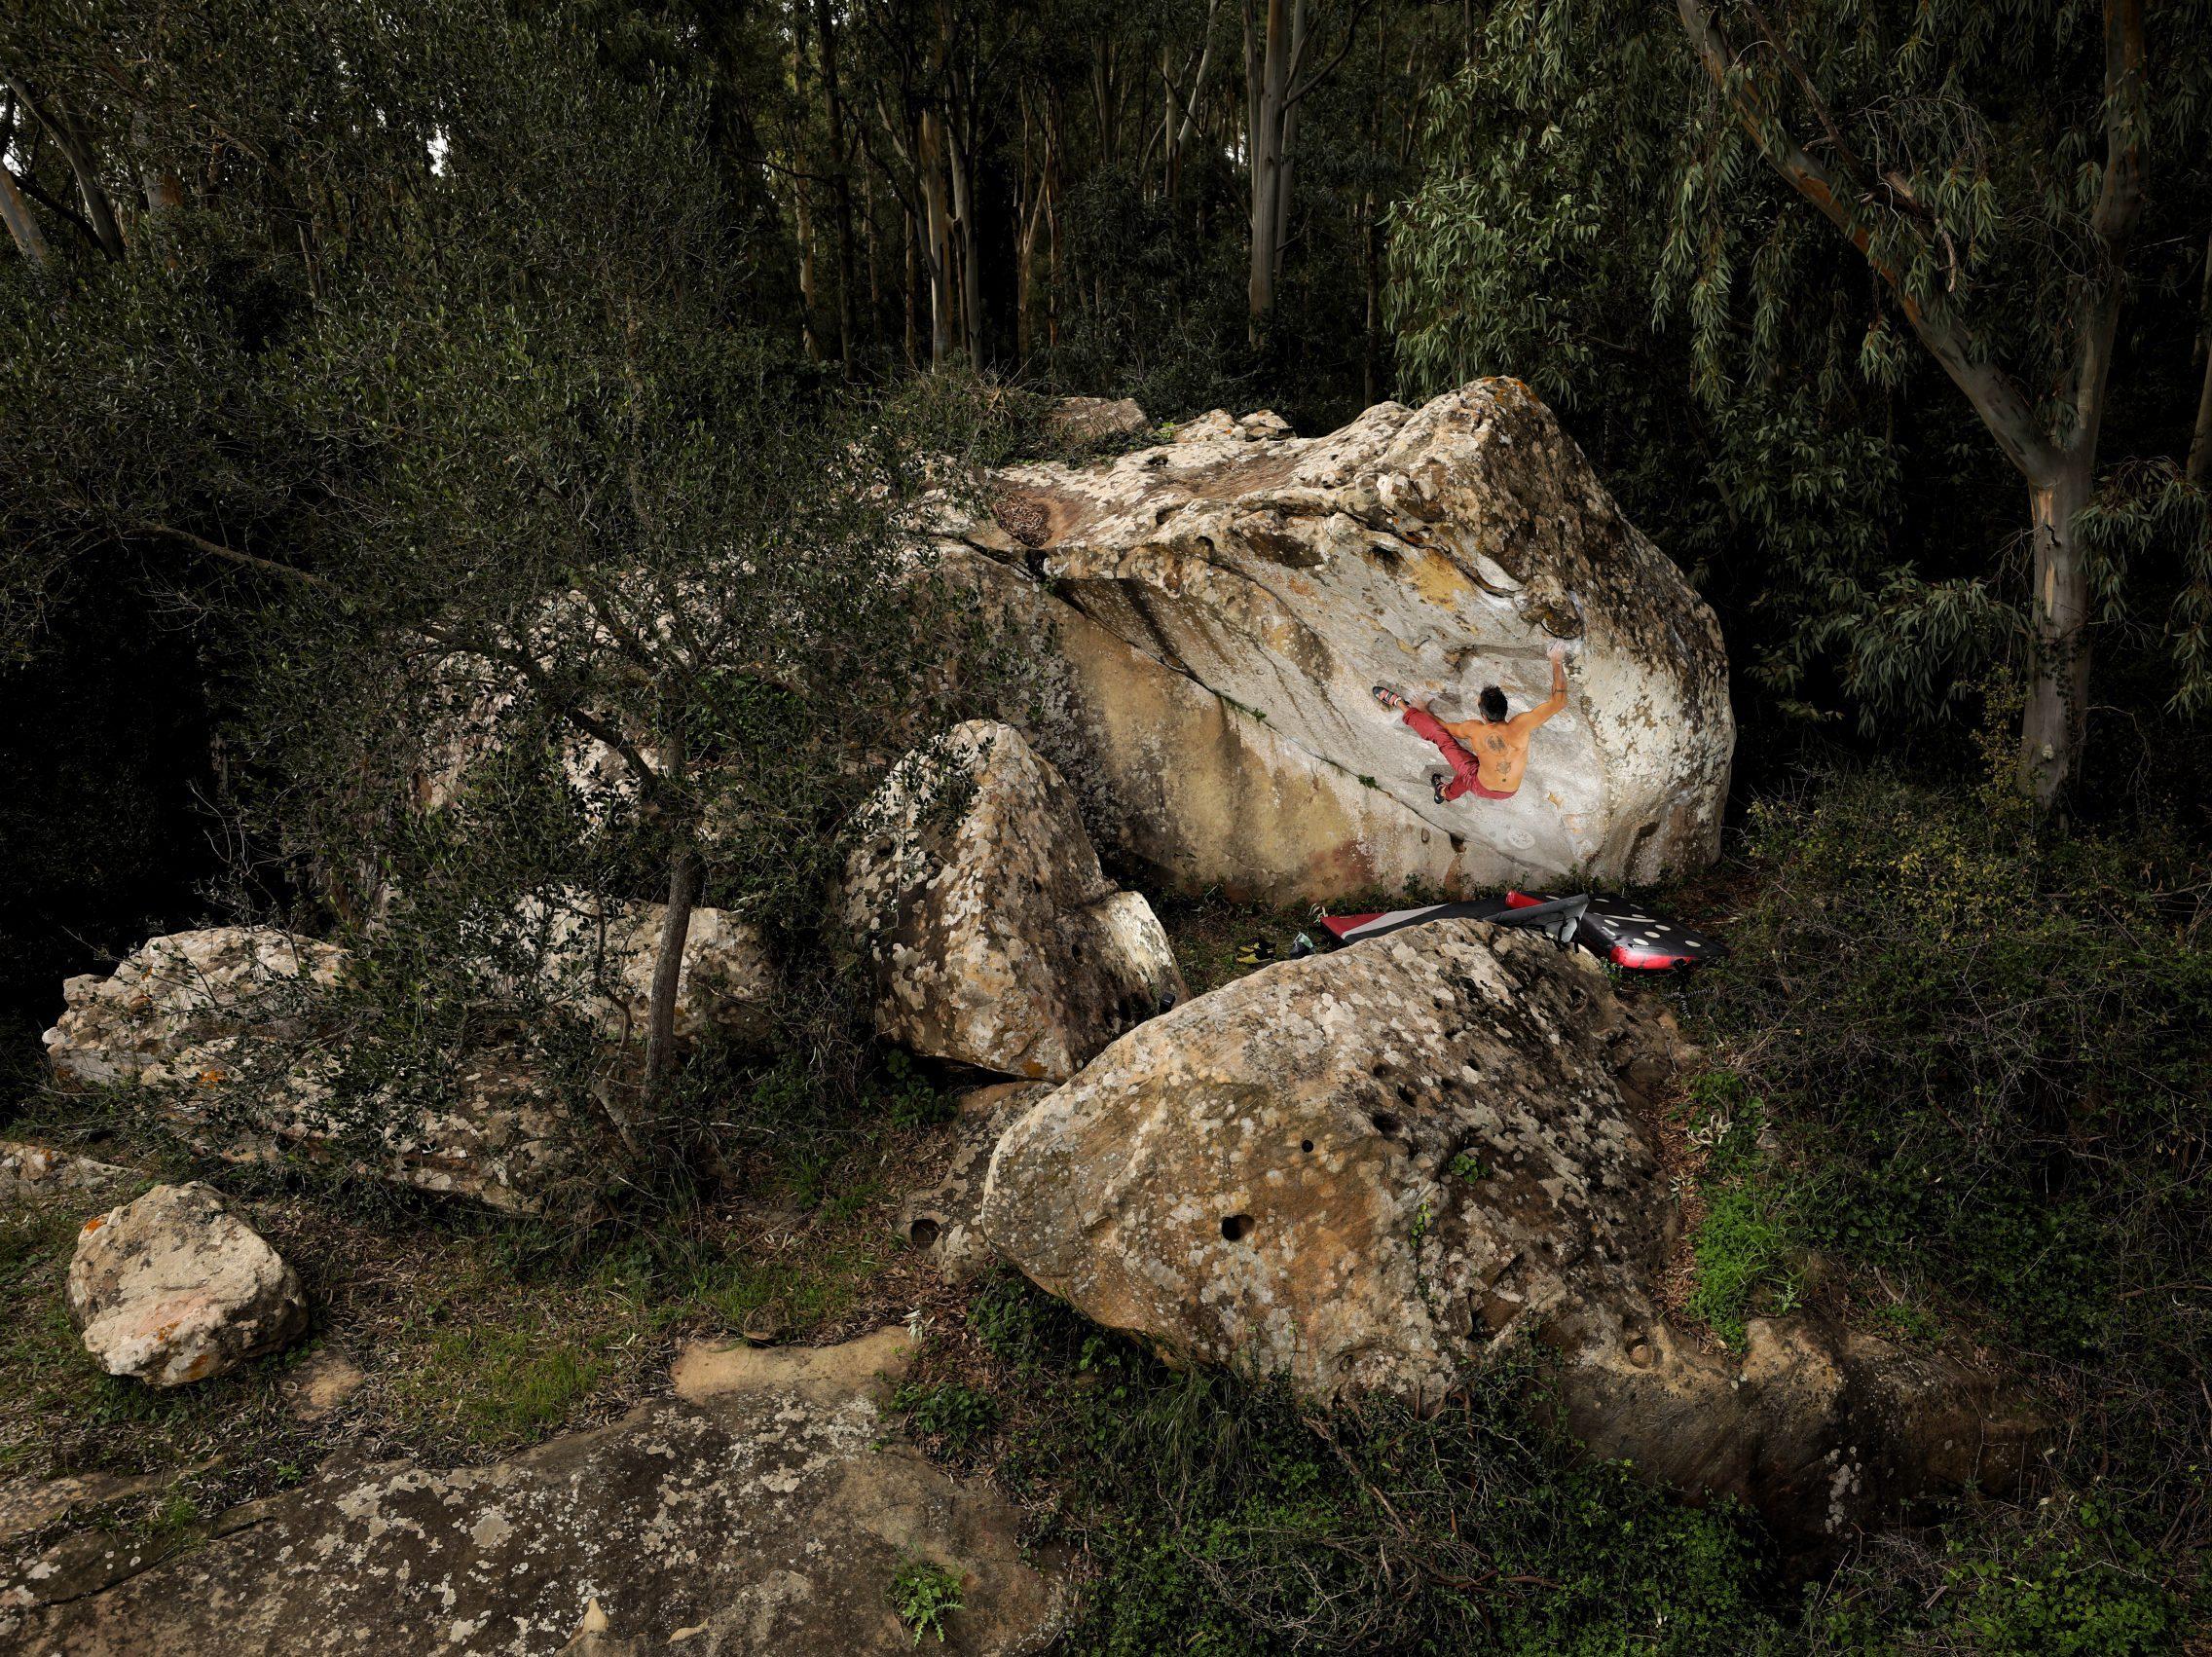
[(2200, 469), (2051, 726), (22, 229), (937, 243), (826, 28), (806, 218)]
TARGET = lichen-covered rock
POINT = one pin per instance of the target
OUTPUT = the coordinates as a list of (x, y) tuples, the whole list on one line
[(1373, 1169), (173, 1288), (759, 1512), (1079, 421), (180, 989), (940, 1219), (1222, 605), (994, 938), (224, 1029), (38, 1172)]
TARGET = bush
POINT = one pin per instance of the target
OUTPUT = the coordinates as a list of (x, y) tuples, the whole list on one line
[(1227, 1517), (1988, 1045)]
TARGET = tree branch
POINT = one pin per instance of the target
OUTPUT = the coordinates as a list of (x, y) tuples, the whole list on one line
[(2000, 403), (228, 554)]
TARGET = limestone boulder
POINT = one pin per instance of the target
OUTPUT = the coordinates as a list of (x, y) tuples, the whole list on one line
[(1081, 421), (598, 955), (224, 1030), (173, 1288), (762, 1511), (994, 938), (1220, 606), (182, 989), (1376, 1169)]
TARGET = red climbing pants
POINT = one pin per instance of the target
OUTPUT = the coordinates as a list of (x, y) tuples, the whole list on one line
[(1466, 775)]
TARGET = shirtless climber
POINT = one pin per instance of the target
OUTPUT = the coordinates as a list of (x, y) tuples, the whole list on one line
[(1487, 754)]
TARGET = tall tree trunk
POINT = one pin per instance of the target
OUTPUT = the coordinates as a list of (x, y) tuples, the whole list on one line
[(910, 298), (964, 224), (805, 217), (1274, 46), (687, 873), (937, 244), (1371, 336), (2199, 470), (841, 176), (2050, 727)]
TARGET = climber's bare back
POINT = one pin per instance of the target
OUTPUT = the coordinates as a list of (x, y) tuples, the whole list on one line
[(1501, 750)]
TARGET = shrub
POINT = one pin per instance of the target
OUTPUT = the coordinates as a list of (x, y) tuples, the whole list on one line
[(924, 1594), (1987, 1043)]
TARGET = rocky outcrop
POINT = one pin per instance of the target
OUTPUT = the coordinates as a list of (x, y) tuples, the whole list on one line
[(994, 938), (173, 1288), (1375, 1168), (760, 1512), (1221, 605)]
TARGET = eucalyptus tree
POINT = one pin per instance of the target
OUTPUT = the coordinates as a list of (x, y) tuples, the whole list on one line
[(1808, 214)]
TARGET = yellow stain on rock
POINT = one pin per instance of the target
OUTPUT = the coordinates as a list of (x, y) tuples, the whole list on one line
[(1441, 582)]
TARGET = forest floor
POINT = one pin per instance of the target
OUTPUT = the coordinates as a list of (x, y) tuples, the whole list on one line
[(1196, 1501)]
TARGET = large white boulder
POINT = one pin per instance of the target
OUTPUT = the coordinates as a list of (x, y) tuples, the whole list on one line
[(182, 989), (173, 1288), (994, 938), (1221, 606), (1381, 1168)]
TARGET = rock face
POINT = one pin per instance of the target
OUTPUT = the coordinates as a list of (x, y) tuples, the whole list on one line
[(173, 1288), (759, 1512), (1221, 606), (995, 939), (940, 1219), (1375, 1168)]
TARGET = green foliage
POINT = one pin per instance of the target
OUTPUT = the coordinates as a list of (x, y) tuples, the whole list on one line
[(2063, 1581), (924, 1594), (1225, 1517), (958, 1417), (1743, 1249), (1595, 216), (1988, 1047)]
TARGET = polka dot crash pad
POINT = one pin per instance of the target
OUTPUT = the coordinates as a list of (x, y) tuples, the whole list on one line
[(1615, 929)]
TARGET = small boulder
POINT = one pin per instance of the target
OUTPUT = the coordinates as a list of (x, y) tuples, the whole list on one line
[(173, 1288), (1081, 420), (994, 938)]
